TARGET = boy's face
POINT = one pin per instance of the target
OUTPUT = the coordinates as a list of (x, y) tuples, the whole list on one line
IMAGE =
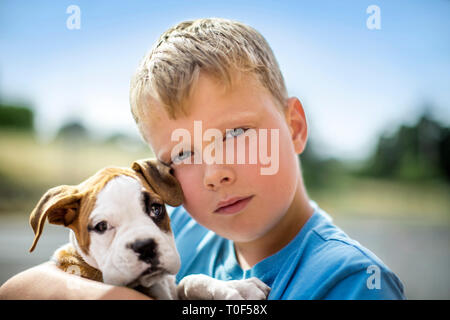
[(264, 198)]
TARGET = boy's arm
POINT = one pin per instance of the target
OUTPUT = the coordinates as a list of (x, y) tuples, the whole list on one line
[(46, 281)]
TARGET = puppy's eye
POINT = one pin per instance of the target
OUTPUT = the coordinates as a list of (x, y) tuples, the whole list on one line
[(157, 210), (101, 227)]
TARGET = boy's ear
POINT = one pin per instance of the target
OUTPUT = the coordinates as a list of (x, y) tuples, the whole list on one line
[(160, 177), (60, 205), (296, 120)]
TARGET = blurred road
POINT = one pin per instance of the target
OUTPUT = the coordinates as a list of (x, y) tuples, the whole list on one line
[(418, 254)]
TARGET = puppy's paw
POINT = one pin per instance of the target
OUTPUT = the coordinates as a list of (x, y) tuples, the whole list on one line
[(199, 286), (248, 289)]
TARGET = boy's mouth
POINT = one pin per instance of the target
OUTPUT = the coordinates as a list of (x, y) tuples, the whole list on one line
[(232, 205)]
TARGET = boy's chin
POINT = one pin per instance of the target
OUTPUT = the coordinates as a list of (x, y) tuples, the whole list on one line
[(242, 235)]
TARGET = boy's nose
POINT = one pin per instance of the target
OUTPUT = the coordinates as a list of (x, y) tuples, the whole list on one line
[(217, 176)]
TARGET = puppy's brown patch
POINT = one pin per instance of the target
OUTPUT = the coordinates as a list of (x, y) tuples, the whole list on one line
[(68, 260)]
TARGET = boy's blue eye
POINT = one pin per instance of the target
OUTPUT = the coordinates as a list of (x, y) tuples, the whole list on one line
[(234, 132), (183, 155)]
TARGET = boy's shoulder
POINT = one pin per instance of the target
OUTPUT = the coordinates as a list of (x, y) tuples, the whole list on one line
[(331, 265), (321, 262)]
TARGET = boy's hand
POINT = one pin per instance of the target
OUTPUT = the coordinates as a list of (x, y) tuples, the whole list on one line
[(46, 281)]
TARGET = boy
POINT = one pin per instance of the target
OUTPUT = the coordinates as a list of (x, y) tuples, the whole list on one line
[(239, 220)]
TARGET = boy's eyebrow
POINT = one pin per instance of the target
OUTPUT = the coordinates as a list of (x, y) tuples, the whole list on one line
[(242, 117)]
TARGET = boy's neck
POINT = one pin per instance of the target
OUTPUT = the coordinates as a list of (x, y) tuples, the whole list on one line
[(300, 210)]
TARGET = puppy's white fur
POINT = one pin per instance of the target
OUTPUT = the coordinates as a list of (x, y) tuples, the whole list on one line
[(120, 204)]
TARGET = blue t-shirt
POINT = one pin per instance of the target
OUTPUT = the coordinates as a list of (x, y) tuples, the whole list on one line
[(321, 262)]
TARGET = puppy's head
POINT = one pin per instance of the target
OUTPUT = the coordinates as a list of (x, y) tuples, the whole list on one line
[(118, 220)]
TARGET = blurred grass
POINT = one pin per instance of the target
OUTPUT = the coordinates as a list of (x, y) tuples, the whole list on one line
[(28, 167), (426, 203)]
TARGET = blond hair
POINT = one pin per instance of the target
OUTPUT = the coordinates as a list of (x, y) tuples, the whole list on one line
[(219, 47)]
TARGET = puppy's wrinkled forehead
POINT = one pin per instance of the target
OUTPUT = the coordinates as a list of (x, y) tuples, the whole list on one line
[(126, 197), (125, 184), (98, 182)]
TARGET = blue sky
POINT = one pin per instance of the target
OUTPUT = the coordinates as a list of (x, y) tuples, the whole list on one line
[(354, 82)]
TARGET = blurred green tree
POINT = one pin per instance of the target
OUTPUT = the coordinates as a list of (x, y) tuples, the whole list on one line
[(319, 172), (72, 130), (413, 152), (16, 117)]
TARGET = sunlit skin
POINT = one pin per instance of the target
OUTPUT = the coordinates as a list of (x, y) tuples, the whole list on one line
[(279, 206)]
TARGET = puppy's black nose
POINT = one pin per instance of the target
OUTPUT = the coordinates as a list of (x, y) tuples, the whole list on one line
[(146, 249)]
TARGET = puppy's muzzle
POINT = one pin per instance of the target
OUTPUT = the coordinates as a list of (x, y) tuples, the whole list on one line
[(147, 251)]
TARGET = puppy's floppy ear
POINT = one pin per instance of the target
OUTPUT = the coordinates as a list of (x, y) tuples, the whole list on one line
[(161, 179), (60, 204)]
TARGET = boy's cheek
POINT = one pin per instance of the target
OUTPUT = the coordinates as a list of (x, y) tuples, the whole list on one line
[(190, 181)]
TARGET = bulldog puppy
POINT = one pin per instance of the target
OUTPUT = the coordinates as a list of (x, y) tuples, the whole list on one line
[(120, 234)]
